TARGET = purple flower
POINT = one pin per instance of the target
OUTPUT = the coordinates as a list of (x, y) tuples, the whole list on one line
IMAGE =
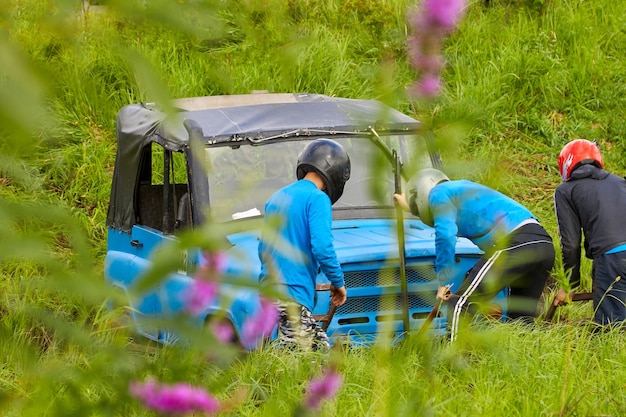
[(223, 331), (213, 261), (200, 294), (430, 24), (205, 287), (173, 399), (428, 86), (426, 63), (260, 325), (444, 13), (323, 388)]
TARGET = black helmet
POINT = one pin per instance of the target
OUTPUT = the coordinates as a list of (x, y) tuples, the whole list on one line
[(330, 161)]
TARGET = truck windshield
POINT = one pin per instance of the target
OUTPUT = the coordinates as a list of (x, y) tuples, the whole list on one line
[(242, 178)]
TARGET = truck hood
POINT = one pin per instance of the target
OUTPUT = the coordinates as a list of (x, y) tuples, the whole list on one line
[(377, 240), (355, 241)]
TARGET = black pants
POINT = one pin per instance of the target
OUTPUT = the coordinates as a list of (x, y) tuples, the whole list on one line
[(522, 261), (608, 292)]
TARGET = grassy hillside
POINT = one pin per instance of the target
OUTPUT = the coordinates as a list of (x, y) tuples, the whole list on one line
[(523, 78)]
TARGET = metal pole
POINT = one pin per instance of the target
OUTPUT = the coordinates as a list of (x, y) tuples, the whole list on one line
[(401, 245), (166, 190)]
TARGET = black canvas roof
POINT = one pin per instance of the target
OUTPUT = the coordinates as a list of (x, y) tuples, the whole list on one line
[(260, 116)]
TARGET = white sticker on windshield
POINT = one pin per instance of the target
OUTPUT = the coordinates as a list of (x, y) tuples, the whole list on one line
[(248, 213)]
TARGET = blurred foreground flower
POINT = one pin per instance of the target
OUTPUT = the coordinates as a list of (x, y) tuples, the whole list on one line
[(223, 331), (213, 262), (430, 23), (443, 14), (260, 325), (173, 399), (323, 388), (205, 287), (428, 86), (200, 294)]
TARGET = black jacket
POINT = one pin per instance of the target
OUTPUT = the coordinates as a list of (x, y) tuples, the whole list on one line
[(592, 201)]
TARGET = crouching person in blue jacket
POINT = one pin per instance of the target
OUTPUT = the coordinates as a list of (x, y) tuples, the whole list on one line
[(518, 252), (297, 242)]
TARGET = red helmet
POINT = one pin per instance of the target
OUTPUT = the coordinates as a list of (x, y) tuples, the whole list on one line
[(576, 153)]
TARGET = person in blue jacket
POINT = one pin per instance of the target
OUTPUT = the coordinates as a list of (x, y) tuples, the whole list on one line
[(591, 201), (297, 241), (518, 252)]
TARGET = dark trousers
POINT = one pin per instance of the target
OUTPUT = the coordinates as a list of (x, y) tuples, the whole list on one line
[(522, 261), (608, 292)]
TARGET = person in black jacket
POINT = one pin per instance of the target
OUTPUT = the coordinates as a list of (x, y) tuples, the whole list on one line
[(591, 201)]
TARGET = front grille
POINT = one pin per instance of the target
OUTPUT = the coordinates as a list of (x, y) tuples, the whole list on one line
[(386, 303), (389, 277), (379, 299)]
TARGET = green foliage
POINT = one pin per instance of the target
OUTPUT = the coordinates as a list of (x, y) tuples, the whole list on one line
[(523, 78)]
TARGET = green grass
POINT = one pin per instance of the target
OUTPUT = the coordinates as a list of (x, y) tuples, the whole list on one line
[(523, 78)]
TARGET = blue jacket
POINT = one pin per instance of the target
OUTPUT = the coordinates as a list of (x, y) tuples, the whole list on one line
[(474, 211), (301, 216)]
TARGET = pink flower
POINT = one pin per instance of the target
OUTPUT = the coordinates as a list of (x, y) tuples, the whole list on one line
[(200, 294), (260, 325), (223, 331), (323, 388), (173, 399), (430, 24), (213, 261), (426, 63), (428, 86), (444, 13), (205, 287)]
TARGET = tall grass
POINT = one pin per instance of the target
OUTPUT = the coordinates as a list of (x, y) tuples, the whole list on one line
[(523, 78)]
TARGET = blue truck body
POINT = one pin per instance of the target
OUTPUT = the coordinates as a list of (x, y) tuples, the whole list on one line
[(147, 216)]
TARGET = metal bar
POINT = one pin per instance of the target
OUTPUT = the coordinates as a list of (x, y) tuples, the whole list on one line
[(167, 156), (401, 245), (397, 173), (326, 319), (429, 319)]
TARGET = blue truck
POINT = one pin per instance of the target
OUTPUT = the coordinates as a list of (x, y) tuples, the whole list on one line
[(210, 163)]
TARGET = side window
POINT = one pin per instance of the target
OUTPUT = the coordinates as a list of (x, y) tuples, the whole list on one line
[(162, 197)]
